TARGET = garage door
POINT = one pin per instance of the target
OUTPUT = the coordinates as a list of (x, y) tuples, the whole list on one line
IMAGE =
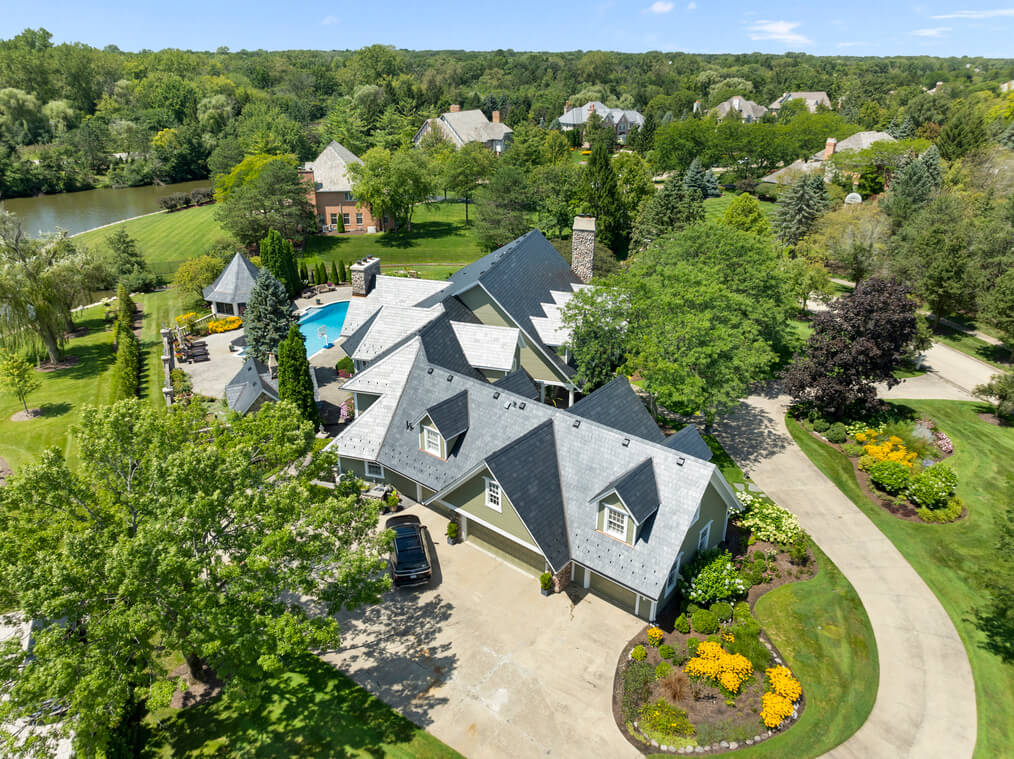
[(617, 594), (505, 548)]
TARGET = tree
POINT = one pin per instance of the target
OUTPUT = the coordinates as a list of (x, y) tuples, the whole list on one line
[(669, 210), (391, 183), (267, 317), (857, 342), (294, 383), (500, 208), (194, 275), (600, 196), (930, 160), (335, 274), (343, 275), (851, 239), (963, 133), (127, 263), (799, 207), (701, 179), (910, 190), (178, 534), (996, 306), (269, 195), (1000, 392), (597, 319), (18, 377), (806, 279), (279, 257), (466, 169), (745, 213), (633, 178), (555, 189)]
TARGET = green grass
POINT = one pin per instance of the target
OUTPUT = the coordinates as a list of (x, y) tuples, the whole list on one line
[(729, 468), (975, 347), (167, 239), (714, 208), (61, 396), (310, 711), (159, 310), (951, 557)]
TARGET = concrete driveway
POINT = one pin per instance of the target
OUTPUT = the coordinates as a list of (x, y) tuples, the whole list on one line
[(488, 665)]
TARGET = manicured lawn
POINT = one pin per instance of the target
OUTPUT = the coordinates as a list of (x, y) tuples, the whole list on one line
[(61, 396), (167, 239), (159, 311), (996, 355), (950, 558), (714, 208), (310, 711)]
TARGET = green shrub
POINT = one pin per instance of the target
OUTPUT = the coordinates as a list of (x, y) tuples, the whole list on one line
[(662, 670), (665, 720), (345, 364), (741, 611), (933, 486), (704, 622), (766, 191), (821, 425), (681, 624), (798, 553), (666, 651), (680, 655), (890, 476), (637, 680), (712, 578), (836, 433), (746, 642), (866, 461), (692, 644), (754, 574), (948, 513), (546, 580), (691, 608), (722, 610), (637, 653), (853, 449), (749, 625)]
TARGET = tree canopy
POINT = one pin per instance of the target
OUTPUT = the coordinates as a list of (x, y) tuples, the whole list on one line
[(267, 317)]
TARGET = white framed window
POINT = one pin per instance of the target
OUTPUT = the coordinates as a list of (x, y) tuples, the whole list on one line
[(348, 196), (493, 494), (697, 515), (431, 441), (703, 537), (616, 523), (674, 574), (359, 220), (373, 469), (345, 219)]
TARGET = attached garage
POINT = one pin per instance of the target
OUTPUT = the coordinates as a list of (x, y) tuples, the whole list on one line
[(504, 548), (623, 597)]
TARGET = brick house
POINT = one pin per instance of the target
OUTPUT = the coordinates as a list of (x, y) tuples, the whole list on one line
[(331, 192)]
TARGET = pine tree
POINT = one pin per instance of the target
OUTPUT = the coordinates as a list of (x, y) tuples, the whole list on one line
[(962, 133), (907, 129), (1007, 138), (601, 195), (321, 273), (892, 128), (931, 162), (278, 257), (334, 273), (669, 210), (304, 275), (294, 383), (700, 179), (910, 189), (799, 207), (342, 274), (267, 317)]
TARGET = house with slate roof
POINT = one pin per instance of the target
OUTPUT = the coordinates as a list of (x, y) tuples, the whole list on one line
[(596, 494), (812, 99), (229, 294), (330, 192), (857, 141), (621, 120), (460, 127), (251, 388), (747, 110)]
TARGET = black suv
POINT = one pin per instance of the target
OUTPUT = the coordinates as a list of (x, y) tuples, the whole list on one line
[(410, 556)]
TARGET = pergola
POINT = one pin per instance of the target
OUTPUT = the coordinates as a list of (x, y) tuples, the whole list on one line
[(229, 294)]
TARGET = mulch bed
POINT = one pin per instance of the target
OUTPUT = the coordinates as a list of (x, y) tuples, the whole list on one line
[(993, 419), (54, 366), (22, 416), (198, 691)]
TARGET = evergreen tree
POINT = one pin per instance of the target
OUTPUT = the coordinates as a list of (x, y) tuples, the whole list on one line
[(910, 189), (334, 273), (294, 383), (799, 207), (267, 317), (907, 129), (304, 275), (962, 133), (321, 273), (1007, 138), (931, 162), (701, 179), (342, 274), (892, 128), (671, 209), (646, 136), (601, 195), (279, 257)]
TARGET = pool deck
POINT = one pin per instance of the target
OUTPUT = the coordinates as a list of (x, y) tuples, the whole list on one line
[(335, 296)]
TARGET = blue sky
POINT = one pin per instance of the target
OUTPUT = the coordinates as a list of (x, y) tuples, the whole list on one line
[(858, 28)]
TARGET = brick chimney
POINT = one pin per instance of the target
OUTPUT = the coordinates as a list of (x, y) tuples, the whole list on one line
[(455, 108), (566, 107), (582, 247), (829, 147), (496, 117), (591, 108), (363, 274)]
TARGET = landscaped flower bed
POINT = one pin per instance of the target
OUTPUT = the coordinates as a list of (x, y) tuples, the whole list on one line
[(226, 324)]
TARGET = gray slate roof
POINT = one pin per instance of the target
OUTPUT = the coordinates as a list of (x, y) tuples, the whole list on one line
[(467, 126), (450, 416), (235, 284), (813, 99), (616, 405), (610, 116), (747, 109), (519, 382), (689, 441), (858, 141), (637, 490), (251, 382), (330, 168)]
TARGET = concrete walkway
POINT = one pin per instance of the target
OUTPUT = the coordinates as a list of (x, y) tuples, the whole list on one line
[(952, 375), (925, 703)]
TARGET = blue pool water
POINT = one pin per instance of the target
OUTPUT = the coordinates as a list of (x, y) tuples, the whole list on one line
[(322, 326)]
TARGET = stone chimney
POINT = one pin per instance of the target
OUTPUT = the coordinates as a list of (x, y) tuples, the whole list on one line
[(582, 247), (363, 274), (455, 108), (829, 147), (496, 117), (566, 107)]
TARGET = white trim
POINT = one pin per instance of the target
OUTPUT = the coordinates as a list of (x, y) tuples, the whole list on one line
[(464, 527), (497, 530), (652, 612), (725, 525), (573, 571), (498, 506), (368, 473), (437, 438), (697, 515), (605, 522), (672, 580), (637, 604), (587, 577), (706, 534)]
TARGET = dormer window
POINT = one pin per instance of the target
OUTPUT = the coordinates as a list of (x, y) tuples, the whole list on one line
[(431, 441), (616, 523), (493, 494)]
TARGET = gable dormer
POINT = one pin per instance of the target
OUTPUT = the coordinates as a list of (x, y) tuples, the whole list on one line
[(626, 503), (442, 425)]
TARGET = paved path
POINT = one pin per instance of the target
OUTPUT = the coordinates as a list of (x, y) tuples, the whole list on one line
[(952, 376), (925, 703)]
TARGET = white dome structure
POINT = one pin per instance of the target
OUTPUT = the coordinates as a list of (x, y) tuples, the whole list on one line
[(853, 199)]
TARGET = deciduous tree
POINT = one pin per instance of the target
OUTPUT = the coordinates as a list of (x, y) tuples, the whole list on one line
[(194, 275), (18, 377), (391, 183), (745, 213), (264, 193), (466, 169)]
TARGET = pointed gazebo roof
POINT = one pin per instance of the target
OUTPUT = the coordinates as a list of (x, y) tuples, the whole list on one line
[(235, 283)]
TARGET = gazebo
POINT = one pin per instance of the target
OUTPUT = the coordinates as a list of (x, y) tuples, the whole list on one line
[(229, 294)]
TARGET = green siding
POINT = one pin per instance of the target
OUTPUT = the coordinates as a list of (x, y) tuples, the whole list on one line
[(364, 401), (506, 549), (471, 498), (712, 510), (614, 501), (479, 302), (403, 485), (427, 422), (355, 466), (614, 593), (492, 375)]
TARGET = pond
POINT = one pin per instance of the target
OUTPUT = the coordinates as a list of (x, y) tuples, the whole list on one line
[(80, 211)]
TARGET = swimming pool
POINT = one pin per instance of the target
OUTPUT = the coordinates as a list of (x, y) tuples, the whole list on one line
[(322, 326)]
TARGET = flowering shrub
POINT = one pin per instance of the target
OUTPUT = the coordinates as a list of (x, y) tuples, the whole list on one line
[(890, 449), (655, 636), (775, 709), (768, 521), (712, 578), (933, 486), (186, 318), (666, 720), (714, 663), (855, 429), (227, 324), (638, 653), (784, 690), (891, 476), (943, 442), (728, 637), (783, 683)]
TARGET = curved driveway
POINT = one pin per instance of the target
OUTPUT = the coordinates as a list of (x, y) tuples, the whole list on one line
[(925, 702)]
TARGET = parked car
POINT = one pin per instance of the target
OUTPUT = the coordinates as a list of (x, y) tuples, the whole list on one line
[(411, 562)]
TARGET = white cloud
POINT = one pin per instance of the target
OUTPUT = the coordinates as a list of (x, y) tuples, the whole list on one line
[(659, 6), (691, 6), (935, 32), (852, 44), (329, 20), (779, 31), (977, 14)]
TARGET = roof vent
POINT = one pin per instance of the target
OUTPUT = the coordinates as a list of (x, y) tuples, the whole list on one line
[(681, 461), (430, 370), (521, 405), (577, 423), (408, 425), (626, 442), (507, 404), (496, 395), (450, 377)]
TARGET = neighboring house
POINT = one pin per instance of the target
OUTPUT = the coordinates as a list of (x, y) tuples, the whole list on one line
[(748, 110), (502, 313), (460, 127), (858, 141), (1007, 86), (228, 295), (251, 388), (595, 494), (331, 194), (619, 119), (812, 100)]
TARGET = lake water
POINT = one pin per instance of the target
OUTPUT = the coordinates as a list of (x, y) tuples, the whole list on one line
[(81, 211)]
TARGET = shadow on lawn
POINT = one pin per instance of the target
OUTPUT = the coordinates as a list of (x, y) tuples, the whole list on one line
[(55, 409), (421, 232), (92, 360)]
